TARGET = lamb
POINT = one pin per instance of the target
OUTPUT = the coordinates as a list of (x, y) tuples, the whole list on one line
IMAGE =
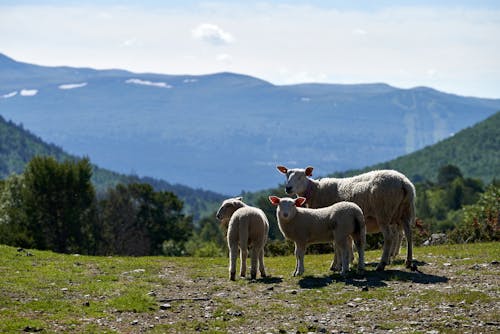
[(246, 227), (306, 226), (386, 197)]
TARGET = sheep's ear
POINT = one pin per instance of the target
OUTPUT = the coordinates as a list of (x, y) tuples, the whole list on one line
[(239, 198), (309, 171), (274, 200), (299, 201), (282, 169)]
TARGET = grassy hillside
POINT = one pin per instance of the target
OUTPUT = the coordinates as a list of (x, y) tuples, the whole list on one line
[(18, 146), (475, 150), (454, 291)]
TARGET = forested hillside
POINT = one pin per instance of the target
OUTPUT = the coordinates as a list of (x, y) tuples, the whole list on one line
[(474, 150), (18, 146)]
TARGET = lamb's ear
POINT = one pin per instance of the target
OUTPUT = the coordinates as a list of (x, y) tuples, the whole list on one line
[(299, 201), (282, 169), (274, 200), (239, 198), (309, 171)]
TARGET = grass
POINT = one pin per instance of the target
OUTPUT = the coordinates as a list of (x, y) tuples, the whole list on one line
[(54, 293)]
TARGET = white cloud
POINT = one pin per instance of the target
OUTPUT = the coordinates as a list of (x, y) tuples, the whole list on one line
[(224, 58), (11, 94), (72, 86), (148, 83), (212, 34), (359, 32), (29, 92)]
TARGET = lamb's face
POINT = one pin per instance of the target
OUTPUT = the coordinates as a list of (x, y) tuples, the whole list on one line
[(228, 207), (287, 207), (296, 179)]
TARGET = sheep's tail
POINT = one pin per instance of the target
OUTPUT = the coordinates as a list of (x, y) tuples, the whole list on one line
[(408, 216)]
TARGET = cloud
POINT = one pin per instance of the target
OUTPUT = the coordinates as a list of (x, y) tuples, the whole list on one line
[(29, 92), (72, 86), (11, 94), (148, 83), (212, 34), (224, 58)]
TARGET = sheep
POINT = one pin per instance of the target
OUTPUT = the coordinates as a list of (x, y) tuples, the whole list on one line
[(307, 226), (245, 226), (386, 197)]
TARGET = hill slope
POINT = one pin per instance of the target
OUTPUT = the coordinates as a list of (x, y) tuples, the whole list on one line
[(225, 131), (475, 150), (18, 146)]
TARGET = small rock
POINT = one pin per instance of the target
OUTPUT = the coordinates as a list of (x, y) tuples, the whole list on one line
[(447, 264), (365, 288), (86, 304), (165, 306), (135, 322)]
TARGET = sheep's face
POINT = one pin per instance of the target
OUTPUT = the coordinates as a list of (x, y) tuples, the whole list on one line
[(296, 179), (228, 207), (287, 207)]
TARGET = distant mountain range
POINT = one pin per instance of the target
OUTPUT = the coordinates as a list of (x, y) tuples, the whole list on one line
[(226, 132)]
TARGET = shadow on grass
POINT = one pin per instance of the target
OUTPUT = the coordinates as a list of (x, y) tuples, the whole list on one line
[(269, 280), (371, 279)]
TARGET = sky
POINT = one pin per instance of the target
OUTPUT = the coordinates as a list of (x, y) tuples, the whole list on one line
[(453, 46)]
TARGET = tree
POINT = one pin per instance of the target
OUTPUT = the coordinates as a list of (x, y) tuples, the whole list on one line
[(136, 220), (59, 204), (13, 223), (447, 174)]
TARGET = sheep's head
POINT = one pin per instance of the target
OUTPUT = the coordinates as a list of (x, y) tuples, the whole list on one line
[(287, 207), (296, 179), (227, 208)]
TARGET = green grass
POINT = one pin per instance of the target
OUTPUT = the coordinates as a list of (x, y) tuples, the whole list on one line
[(56, 293)]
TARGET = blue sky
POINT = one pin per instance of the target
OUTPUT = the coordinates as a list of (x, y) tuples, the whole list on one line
[(452, 46)]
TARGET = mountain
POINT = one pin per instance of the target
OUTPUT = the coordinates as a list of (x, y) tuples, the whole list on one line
[(226, 132), (475, 150), (18, 146)]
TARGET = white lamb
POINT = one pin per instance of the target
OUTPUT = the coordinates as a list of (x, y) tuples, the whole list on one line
[(386, 197), (246, 227), (337, 223)]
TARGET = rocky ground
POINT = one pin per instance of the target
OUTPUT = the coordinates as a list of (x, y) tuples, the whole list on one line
[(445, 295)]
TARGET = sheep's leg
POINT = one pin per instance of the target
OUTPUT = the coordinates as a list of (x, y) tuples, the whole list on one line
[(335, 266), (254, 262), (343, 249), (299, 257), (386, 250), (233, 254), (261, 262), (243, 258), (409, 249), (396, 240), (397, 244), (360, 247)]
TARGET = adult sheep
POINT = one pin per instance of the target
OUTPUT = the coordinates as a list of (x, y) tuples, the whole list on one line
[(386, 197), (338, 222), (246, 227)]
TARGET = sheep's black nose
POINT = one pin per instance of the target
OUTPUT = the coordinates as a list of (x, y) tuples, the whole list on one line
[(288, 190), (285, 215)]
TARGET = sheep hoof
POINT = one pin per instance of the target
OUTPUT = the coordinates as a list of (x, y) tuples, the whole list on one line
[(232, 276), (381, 266), (253, 276)]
